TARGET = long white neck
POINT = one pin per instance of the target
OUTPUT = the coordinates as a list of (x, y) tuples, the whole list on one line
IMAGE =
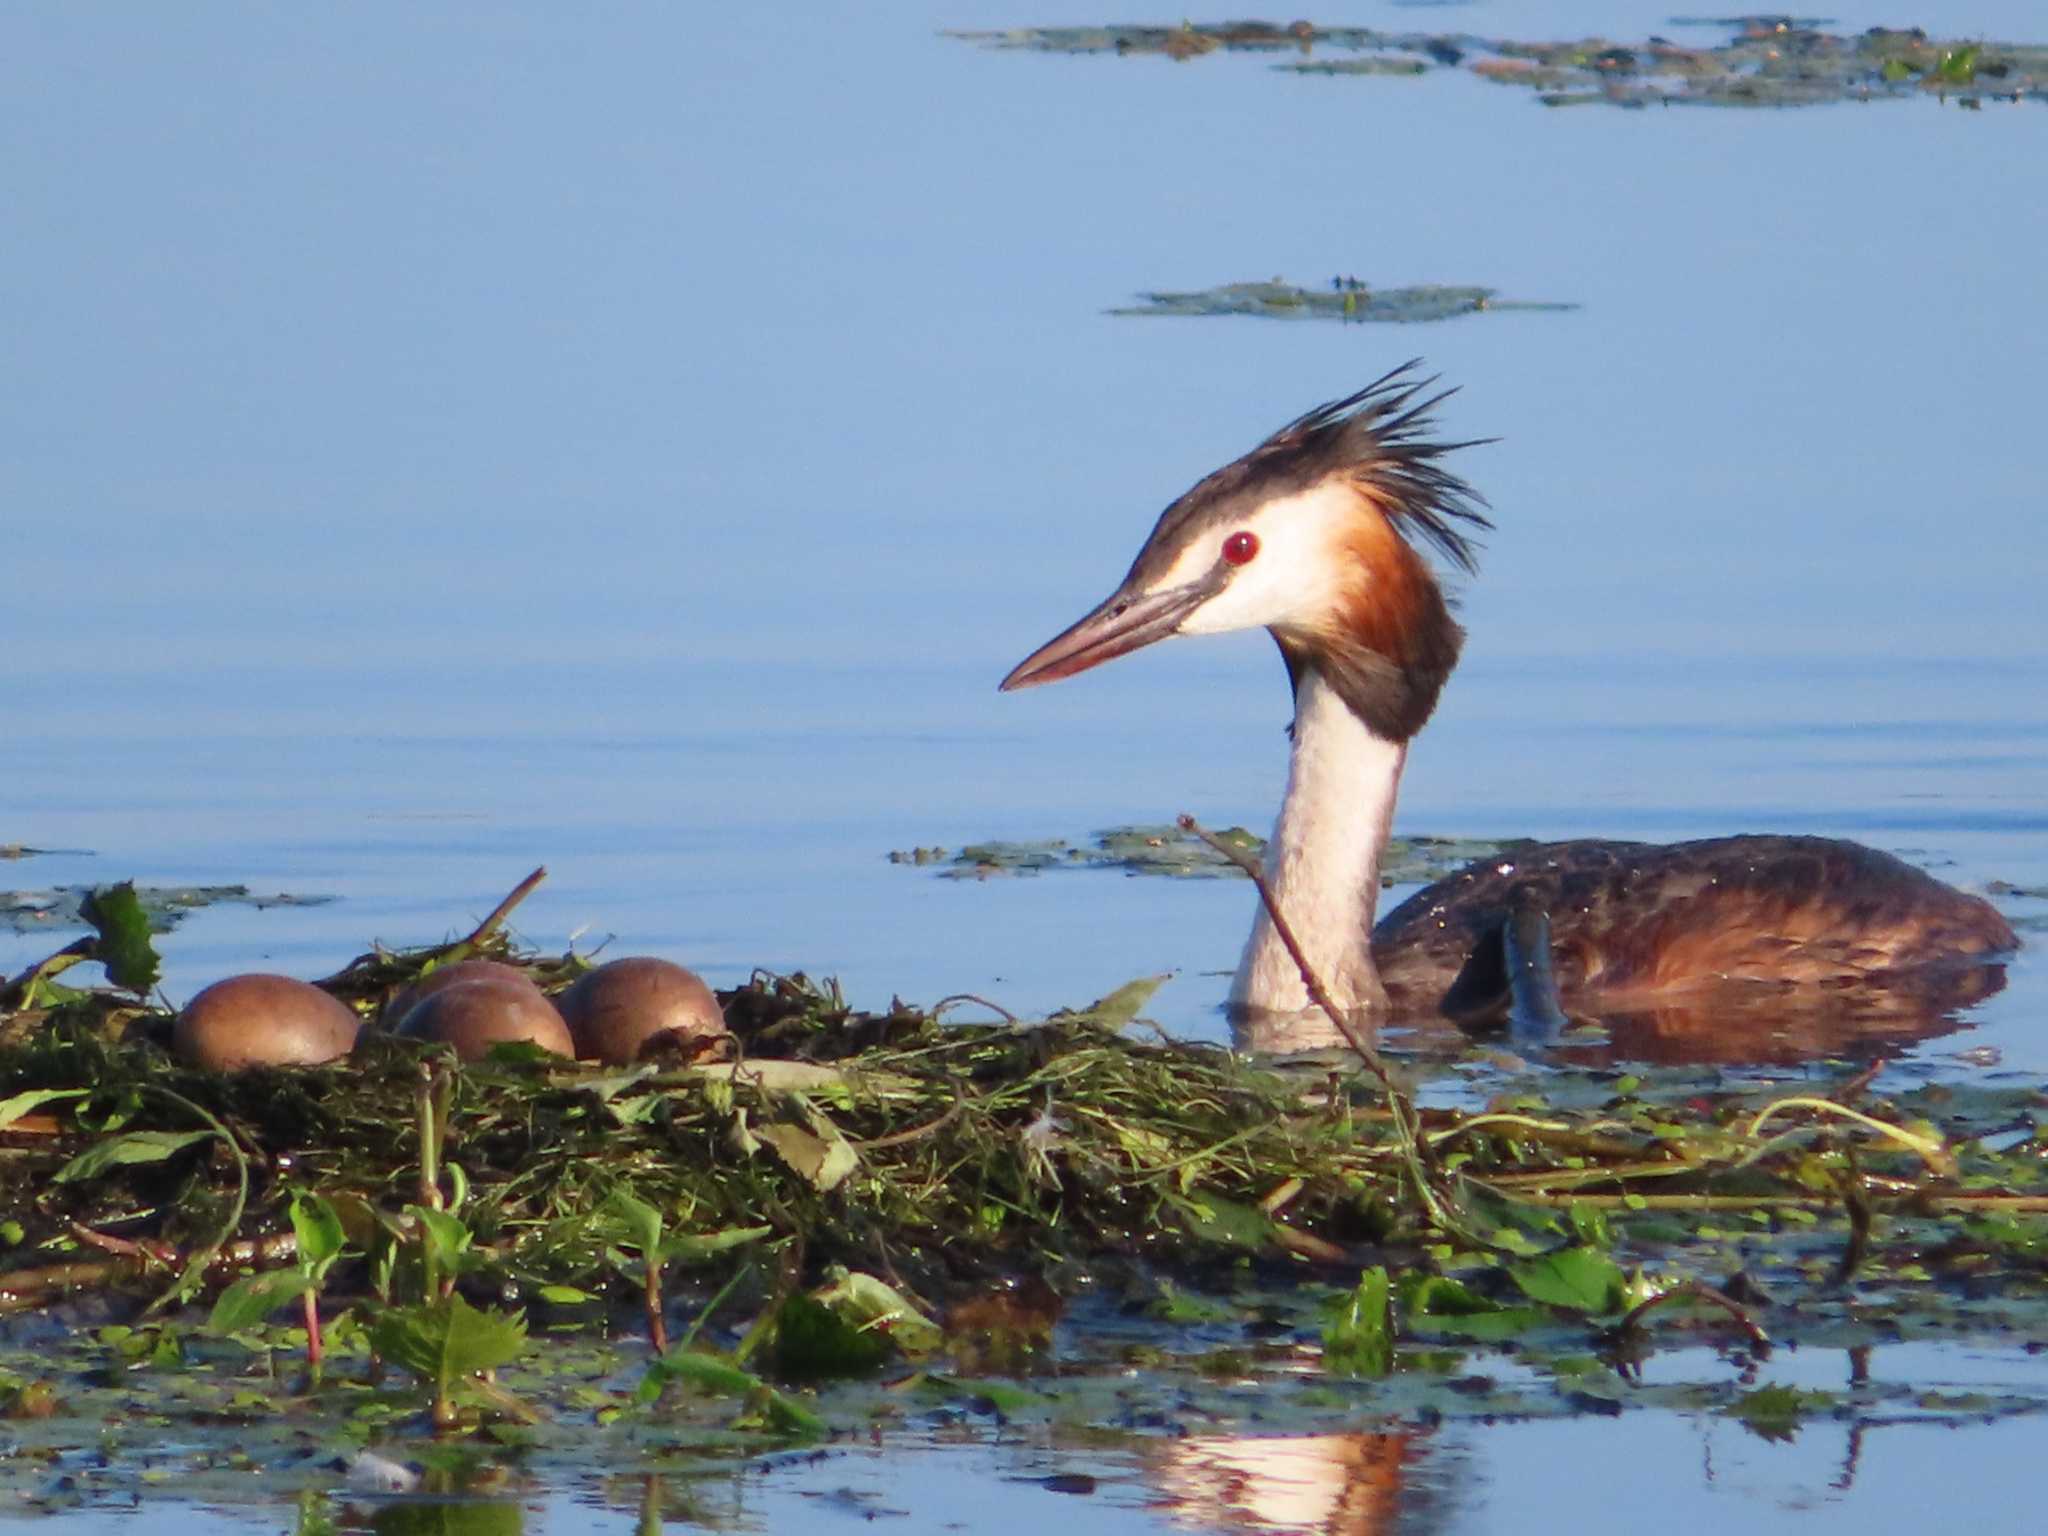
[(1324, 860)]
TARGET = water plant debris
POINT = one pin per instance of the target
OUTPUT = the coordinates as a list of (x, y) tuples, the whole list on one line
[(1764, 61), (1345, 300), (1168, 849), (32, 911)]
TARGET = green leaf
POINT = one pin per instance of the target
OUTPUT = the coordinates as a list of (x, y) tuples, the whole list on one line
[(1892, 71), (641, 1222), (22, 1103), (134, 1147), (1226, 1222), (1579, 1279), (1589, 1225), (696, 1368), (124, 946), (442, 1342), (1174, 1305), (638, 1110), (1958, 65), (444, 1237), (1774, 1412), (43, 991), (875, 1306), (111, 1108), (2023, 1236), (1425, 1295), (1493, 1327), (254, 1297), (692, 1247), (709, 1373), (1438, 1304), (1121, 1007), (825, 1163), (1358, 1329), (564, 1295), (319, 1231)]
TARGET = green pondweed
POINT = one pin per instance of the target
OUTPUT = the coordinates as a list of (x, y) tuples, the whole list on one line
[(640, 1248), (249, 1300)]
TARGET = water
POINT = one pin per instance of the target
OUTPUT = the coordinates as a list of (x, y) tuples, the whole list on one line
[(439, 443)]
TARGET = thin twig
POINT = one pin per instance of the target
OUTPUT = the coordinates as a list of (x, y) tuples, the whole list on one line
[(23, 1290), (1317, 992), (1306, 1245), (503, 909), (916, 1132), (195, 1268), (969, 997), (147, 1252), (650, 1283), (14, 993), (1439, 1205), (1928, 1148), (1698, 1291)]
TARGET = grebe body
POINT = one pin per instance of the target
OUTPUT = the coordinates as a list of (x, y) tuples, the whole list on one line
[(1644, 920), (1318, 535)]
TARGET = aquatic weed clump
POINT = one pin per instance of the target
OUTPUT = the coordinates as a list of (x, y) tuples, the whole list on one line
[(938, 1153), (893, 1140)]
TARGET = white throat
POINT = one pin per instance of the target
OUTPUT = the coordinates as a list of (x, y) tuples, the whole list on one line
[(1324, 860)]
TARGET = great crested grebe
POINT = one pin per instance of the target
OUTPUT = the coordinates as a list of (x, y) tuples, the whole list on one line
[(1315, 536)]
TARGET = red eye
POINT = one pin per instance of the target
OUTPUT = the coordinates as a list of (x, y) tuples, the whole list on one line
[(1239, 548)]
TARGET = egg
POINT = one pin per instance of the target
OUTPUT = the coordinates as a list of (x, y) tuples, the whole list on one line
[(260, 1020), (476, 1014), (616, 1009), (409, 997)]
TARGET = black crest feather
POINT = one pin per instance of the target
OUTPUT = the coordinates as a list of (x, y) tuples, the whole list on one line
[(1382, 436)]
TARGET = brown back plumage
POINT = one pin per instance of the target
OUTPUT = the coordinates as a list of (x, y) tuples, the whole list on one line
[(1642, 919)]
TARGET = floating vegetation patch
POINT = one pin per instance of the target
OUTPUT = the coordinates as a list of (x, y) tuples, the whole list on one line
[(1346, 300), (1766, 61), (859, 1220), (164, 905), (1167, 850)]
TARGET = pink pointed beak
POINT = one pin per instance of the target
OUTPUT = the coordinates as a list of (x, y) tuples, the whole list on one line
[(1124, 622)]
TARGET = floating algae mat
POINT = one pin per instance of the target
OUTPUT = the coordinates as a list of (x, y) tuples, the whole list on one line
[(1168, 850), (283, 1282), (1346, 300), (30, 911), (1766, 61)]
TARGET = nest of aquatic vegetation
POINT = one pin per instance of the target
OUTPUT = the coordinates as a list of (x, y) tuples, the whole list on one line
[(907, 1144), (898, 1142)]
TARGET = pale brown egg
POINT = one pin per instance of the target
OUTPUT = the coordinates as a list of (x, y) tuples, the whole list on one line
[(260, 1020), (407, 998), (477, 1014), (616, 1009)]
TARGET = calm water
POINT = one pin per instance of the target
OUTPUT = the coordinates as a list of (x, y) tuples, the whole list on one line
[(442, 442)]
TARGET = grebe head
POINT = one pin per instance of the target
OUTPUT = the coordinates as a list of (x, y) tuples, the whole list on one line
[(1312, 535)]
